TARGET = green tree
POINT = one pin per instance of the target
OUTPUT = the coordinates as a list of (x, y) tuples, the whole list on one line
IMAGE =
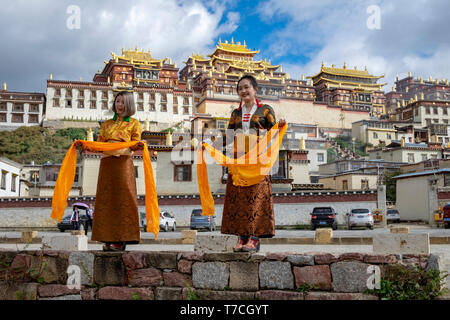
[(391, 185)]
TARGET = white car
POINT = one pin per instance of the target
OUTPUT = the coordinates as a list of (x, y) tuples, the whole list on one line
[(166, 221), (360, 217), (392, 215)]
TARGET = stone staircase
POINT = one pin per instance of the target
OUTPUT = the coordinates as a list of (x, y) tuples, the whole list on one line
[(342, 153)]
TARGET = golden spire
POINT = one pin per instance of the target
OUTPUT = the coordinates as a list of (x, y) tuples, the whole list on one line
[(422, 96), (302, 143), (409, 74), (51, 76), (345, 66), (90, 135), (402, 142), (4, 86)]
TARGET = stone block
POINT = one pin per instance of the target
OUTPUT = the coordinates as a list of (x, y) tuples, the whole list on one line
[(349, 276), (277, 256), (275, 275), (244, 276), (84, 260), (185, 266), (28, 236), (222, 295), (401, 243), (55, 290), (338, 296), (315, 276), (124, 293), (135, 260), (210, 275), (226, 256), (279, 295), (188, 236), (163, 293), (215, 243), (325, 258), (396, 229), (145, 277), (77, 233), (64, 242), (352, 256), (175, 279), (192, 256), (49, 269), (301, 260), (109, 269), (323, 235), (18, 269), (436, 262), (89, 293), (162, 260), (18, 291), (380, 258), (67, 297)]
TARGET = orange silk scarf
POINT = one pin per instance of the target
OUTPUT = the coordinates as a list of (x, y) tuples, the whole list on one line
[(246, 170), (66, 177)]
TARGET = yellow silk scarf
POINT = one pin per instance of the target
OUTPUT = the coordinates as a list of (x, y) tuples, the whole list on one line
[(66, 177), (246, 170)]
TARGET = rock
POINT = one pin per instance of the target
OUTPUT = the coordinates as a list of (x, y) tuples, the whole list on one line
[(279, 295), (275, 275), (210, 275), (352, 256), (301, 260), (162, 260), (226, 256), (436, 262), (19, 268), (135, 260), (49, 269), (84, 260), (325, 258), (401, 243), (323, 235), (185, 266), (316, 276), (215, 243), (89, 293), (192, 256), (55, 290), (175, 279), (380, 258), (338, 296), (163, 293), (244, 276), (188, 236), (77, 233), (350, 276), (18, 291), (67, 297), (223, 295), (109, 268), (124, 293), (145, 277), (277, 256)]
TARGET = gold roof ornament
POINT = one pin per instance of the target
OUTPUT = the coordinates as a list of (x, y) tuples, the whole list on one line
[(407, 89), (302, 144), (4, 86), (422, 96), (344, 67), (169, 141), (51, 76), (409, 74), (402, 143), (90, 134), (398, 104), (303, 77), (437, 80)]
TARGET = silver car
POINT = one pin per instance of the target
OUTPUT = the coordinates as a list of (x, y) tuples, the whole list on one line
[(392, 215), (360, 217)]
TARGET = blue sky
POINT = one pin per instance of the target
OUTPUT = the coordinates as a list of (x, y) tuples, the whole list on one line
[(297, 34)]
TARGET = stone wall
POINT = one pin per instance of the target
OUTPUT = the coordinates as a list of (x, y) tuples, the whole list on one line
[(44, 275)]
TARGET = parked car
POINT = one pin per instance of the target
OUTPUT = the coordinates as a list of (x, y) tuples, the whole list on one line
[(65, 224), (392, 215), (446, 216), (166, 221), (360, 217), (202, 222), (323, 217)]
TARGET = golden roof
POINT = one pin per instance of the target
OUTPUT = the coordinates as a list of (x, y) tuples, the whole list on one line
[(346, 72), (234, 47), (137, 56)]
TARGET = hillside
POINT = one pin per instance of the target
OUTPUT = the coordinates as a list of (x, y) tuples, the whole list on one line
[(38, 144)]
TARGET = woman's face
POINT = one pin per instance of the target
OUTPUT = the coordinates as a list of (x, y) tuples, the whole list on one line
[(120, 106), (246, 91)]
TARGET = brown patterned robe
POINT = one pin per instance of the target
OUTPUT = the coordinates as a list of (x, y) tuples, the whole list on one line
[(248, 211)]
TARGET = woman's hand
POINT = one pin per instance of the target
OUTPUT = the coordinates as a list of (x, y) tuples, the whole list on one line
[(138, 146)]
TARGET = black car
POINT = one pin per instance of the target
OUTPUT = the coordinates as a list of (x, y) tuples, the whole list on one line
[(323, 217)]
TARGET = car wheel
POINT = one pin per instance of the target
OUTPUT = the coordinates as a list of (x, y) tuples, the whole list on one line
[(334, 227), (313, 228), (61, 230), (447, 225), (174, 227), (349, 228), (166, 227)]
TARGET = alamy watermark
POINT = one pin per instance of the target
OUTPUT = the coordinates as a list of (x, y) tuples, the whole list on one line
[(74, 19), (374, 280), (374, 20), (74, 277)]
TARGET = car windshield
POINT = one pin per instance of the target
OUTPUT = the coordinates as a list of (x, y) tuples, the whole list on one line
[(197, 212), (360, 211), (322, 210), (392, 211)]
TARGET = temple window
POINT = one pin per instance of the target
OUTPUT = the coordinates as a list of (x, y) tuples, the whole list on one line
[(93, 105), (151, 107), (18, 107), (185, 110), (175, 109), (2, 106), (68, 104), (183, 173), (104, 105), (81, 93), (140, 107), (33, 118), (2, 117), (17, 118), (163, 107)]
